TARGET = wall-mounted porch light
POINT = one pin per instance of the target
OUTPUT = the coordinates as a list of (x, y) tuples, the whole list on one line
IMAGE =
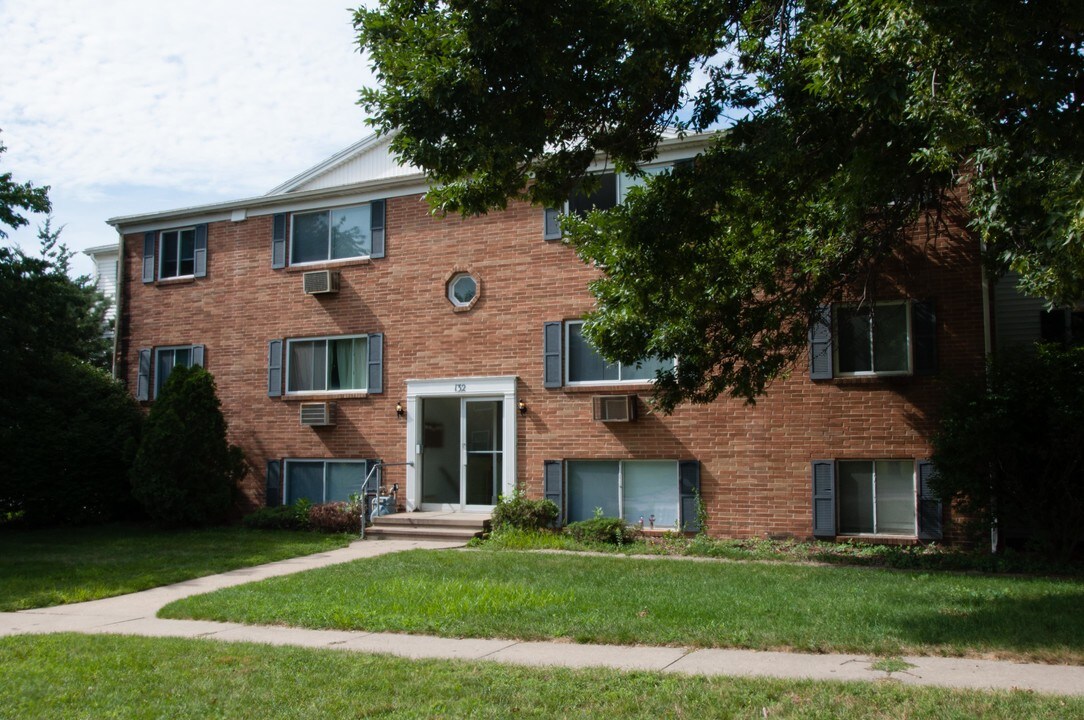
[(522, 407), (399, 409)]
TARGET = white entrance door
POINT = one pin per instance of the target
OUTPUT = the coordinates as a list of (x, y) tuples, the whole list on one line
[(461, 442), (461, 448)]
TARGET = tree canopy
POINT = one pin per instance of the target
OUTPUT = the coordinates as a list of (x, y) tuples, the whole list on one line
[(845, 122), (16, 196)]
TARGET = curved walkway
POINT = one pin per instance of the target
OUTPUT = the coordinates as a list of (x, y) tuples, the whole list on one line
[(134, 614)]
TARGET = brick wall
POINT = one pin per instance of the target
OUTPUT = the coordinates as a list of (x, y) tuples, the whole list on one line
[(754, 459)]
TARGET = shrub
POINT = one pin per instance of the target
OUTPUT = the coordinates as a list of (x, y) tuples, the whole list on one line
[(601, 529), (336, 517), (68, 445), (283, 517), (185, 472), (517, 512), (1010, 446)]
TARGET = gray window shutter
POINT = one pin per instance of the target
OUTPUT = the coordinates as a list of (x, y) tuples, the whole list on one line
[(929, 505), (376, 215), (551, 228), (689, 491), (376, 363), (197, 356), (273, 489), (551, 354), (924, 331), (143, 380), (148, 257), (820, 344), (274, 368), (201, 251), (278, 242), (553, 486), (824, 498)]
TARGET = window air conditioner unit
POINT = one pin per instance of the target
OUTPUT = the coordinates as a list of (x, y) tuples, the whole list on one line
[(320, 282), (614, 408), (317, 414)]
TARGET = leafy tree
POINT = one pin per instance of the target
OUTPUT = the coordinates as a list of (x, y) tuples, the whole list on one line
[(1010, 446), (16, 196), (185, 470), (68, 431), (847, 122)]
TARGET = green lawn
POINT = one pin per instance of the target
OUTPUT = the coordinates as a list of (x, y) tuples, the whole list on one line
[(662, 602), (76, 676), (52, 567)]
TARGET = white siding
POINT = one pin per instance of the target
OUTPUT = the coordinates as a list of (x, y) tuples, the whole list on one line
[(375, 163), (105, 278)]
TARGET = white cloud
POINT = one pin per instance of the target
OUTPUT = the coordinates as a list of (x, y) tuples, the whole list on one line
[(208, 100), (225, 96)]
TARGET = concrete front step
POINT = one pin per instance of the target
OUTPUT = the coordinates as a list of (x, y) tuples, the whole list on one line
[(429, 526)]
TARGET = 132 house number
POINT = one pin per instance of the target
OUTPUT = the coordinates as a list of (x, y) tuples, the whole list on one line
[(461, 387)]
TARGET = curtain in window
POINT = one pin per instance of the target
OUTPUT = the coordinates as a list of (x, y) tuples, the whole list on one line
[(592, 484), (890, 350), (855, 497), (304, 480), (651, 488), (310, 238), (646, 369), (348, 364), (895, 497), (853, 338), (344, 479), (308, 366), (584, 363)]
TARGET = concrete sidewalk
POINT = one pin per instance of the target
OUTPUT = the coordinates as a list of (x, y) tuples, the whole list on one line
[(135, 615)]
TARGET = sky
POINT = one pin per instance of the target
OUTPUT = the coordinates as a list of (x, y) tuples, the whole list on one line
[(128, 106)]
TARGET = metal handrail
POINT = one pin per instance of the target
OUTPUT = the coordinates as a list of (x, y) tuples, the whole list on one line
[(365, 510)]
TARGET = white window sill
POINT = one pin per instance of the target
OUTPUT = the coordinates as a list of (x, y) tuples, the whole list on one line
[(328, 264), (320, 395)]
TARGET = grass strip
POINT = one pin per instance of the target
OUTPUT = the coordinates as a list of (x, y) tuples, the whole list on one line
[(669, 602), (39, 568), (76, 676)]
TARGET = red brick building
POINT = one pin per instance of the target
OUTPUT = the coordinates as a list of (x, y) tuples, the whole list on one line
[(344, 323)]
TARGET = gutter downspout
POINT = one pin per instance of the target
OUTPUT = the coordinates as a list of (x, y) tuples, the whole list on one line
[(120, 298)]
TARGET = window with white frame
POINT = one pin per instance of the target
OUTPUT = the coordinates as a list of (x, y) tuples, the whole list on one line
[(584, 365), (321, 481), (327, 364), (876, 497), (167, 358), (177, 253), (336, 234), (873, 339), (629, 489)]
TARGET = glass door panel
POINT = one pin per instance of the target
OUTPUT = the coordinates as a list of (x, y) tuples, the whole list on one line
[(483, 421), (440, 443)]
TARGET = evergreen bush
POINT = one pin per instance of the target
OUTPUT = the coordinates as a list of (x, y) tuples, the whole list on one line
[(185, 472)]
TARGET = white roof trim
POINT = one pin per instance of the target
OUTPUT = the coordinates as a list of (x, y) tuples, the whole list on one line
[(100, 249), (283, 199)]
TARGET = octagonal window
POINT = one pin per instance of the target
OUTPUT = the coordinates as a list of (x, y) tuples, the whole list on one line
[(462, 289)]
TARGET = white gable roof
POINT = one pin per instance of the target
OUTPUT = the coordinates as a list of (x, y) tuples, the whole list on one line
[(365, 161)]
